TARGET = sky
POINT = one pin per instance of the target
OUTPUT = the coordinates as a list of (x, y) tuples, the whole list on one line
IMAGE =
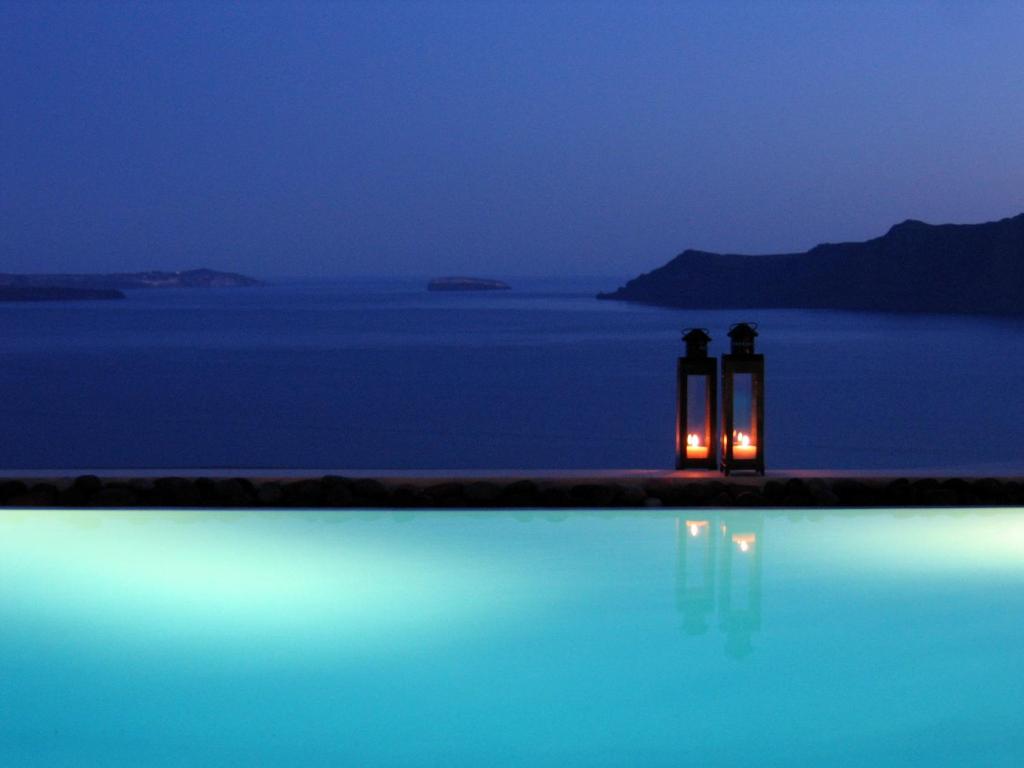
[(494, 139)]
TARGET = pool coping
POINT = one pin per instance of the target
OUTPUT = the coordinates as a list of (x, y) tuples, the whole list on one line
[(516, 489)]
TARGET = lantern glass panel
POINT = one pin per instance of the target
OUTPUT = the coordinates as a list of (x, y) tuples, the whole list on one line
[(744, 410), (697, 425)]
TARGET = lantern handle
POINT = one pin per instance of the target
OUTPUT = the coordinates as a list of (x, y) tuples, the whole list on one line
[(752, 326)]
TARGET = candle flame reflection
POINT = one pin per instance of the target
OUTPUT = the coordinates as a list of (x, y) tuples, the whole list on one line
[(696, 526), (745, 541)]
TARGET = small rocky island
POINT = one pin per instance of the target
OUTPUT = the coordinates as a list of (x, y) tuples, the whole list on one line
[(914, 267), (78, 287), (466, 284), (56, 293)]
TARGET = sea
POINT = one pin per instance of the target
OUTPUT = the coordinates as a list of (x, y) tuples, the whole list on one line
[(380, 374)]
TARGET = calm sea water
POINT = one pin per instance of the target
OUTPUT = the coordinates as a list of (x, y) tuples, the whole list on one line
[(148, 638), (366, 374)]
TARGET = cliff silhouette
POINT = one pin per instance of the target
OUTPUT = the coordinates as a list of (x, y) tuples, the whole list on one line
[(914, 267)]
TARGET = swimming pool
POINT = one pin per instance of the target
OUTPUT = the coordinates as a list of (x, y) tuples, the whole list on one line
[(295, 638)]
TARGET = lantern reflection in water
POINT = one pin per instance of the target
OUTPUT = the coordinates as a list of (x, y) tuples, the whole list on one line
[(695, 574), (719, 558)]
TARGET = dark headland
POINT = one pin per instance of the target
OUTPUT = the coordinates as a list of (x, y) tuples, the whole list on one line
[(466, 284), (56, 293), (76, 287), (914, 267)]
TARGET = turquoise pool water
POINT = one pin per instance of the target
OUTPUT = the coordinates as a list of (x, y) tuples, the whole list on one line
[(497, 638)]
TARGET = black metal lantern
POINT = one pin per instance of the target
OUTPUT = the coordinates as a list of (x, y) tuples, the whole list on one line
[(743, 403), (696, 404)]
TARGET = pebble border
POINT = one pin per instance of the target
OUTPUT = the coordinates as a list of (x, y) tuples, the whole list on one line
[(332, 491)]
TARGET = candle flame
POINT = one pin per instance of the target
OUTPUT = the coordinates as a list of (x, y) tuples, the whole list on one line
[(741, 438), (692, 440)]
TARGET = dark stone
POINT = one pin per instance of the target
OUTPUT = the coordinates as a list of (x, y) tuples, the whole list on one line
[(444, 494), (664, 492), (898, 493), (852, 493), (592, 494), (749, 499), (940, 497), (333, 481), (481, 493), (86, 485), (33, 498), (12, 488), (369, 492), (796, 500), (773, 491), (338, 496), (114, 496), (408, 496), (554, 496), (236, 492), (175, 492), (520, 501), (169, 483), (796, 494), (722, 499), (693, 494), (821, 493), (1013, 493), (631, 496), (989, 490), (958, 485), (204, 487), (520, 488), (920, 490), (304, 493), (796, 486), (270, 494)]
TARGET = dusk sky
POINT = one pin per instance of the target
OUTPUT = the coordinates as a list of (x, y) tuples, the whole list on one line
[(494, 139)]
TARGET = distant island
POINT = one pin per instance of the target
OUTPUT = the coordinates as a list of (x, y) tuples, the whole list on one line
[(914, 267), (192, 278), (466, 284), (56, 293)]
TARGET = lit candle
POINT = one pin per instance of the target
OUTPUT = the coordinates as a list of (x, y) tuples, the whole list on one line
[(741, 447), (694, 450)]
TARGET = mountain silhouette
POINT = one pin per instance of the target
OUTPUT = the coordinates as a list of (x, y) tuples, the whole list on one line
[(914, 267)]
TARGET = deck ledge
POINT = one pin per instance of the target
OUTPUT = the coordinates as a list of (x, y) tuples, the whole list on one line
[(215, 489)]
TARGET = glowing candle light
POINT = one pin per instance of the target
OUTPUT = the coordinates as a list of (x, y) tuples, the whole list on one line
[(694, 450), (742, 447)]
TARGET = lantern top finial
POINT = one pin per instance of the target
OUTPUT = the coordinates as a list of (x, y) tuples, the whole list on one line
[(696, 340), (743, 335)]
